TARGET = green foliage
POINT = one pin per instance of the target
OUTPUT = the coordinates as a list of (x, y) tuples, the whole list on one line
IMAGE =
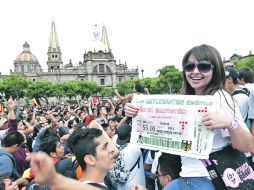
[(245, 62), (126, 87), (58, 90), (40, 90), (70, 89), (108, 92), (152, 84), (15, 86), (86, 88), (170, 79)]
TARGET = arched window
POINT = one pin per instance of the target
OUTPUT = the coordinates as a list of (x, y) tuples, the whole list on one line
[(95, 69), (108, 69), (52, 68), (101, 69)]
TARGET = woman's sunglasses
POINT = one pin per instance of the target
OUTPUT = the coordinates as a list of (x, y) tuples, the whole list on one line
[(203, 66)]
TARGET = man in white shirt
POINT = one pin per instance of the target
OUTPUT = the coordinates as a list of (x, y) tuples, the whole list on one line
[(132, 157), (241, 95)]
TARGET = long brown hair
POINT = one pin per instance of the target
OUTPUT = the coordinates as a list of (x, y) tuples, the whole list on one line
[(209, 53)]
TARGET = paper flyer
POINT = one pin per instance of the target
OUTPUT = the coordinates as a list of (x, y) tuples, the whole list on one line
[(172, 124)]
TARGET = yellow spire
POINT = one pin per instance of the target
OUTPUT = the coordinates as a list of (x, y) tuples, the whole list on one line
[(53, 40), (104, 39)]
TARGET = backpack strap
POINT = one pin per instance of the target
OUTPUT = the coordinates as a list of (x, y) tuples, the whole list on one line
[(14, 173), (247, 91), (137, 162), (241, 91)]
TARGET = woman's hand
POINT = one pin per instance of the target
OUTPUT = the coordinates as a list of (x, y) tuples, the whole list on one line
[(130, 110), (217, 120)]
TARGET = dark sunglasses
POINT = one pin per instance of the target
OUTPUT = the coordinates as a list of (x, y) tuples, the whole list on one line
[(203, 66)]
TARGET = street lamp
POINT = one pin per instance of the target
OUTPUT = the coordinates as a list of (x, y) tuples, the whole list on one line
[(142, 71)]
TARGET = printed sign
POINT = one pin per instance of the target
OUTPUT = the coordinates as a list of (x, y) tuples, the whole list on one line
[(172, 123)]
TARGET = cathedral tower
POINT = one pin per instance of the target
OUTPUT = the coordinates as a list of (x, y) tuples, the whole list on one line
[(54, 52)]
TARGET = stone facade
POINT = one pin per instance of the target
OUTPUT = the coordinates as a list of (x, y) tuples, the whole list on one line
[(98, 63)]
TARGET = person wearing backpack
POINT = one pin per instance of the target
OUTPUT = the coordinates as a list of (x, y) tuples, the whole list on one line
[(10, 144), (241, 95), (129, 167)]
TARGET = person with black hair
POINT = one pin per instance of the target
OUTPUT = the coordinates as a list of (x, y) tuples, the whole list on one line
[(94, 153), (43, 134), (109, 130), (53, 147), (47, 175), (10, 144), (246, 78), (71, 125), (119, 111), (7, 184), (169, 167), (105, 112), (66, 117), (240, 94), (204, 74)]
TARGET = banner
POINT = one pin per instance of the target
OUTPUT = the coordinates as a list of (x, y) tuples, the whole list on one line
[(172, 124)]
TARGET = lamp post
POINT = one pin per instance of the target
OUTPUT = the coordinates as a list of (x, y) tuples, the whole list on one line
[(142, 71)]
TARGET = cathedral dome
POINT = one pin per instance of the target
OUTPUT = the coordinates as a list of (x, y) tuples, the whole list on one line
[(26, 55)]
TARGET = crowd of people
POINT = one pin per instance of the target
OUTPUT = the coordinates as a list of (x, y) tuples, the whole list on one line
[(60, 146)]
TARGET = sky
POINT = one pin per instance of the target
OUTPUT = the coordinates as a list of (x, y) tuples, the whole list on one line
[(149, 34)]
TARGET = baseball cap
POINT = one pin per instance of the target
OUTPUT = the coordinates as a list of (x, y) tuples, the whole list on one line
[(231, 72), (124, 134)]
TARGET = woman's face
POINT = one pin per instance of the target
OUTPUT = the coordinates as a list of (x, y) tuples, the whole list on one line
[(198, 80)]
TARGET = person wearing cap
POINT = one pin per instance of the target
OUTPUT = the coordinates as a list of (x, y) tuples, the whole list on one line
[(240, 94), (131, 155)]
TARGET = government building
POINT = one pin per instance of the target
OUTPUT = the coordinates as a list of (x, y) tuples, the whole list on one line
[(98, 63)]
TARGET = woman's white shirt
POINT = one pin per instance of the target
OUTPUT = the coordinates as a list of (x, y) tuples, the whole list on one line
[(192, 167)]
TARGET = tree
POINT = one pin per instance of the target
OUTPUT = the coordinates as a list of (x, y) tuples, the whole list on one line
[(86, 88), (108, 92), (58, 90), (70, 89), (15, 86), (246, 62), (152, 84), (40, 91), (170, 79), (126, 87)]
